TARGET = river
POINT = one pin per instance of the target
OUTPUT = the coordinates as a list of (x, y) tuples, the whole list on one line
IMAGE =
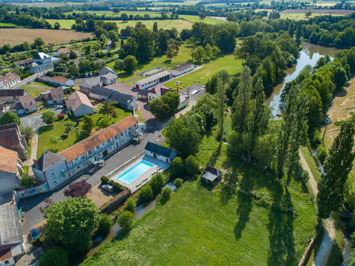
[(309, 55)]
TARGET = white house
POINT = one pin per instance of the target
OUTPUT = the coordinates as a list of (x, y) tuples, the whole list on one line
[(54, 169), (159, 152), (61, 81), (107, 75), (181, 69), (8, 80), (79, 104), (42, 62), (152, 80)]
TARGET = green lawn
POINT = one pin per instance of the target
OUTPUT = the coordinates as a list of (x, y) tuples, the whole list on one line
[(36, 88), (311, 163), (196, 227), (58, 130)]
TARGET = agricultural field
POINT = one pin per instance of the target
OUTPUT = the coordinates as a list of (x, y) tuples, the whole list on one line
[(36, 88), (57, 129), (207, 20), (128, 13), (17, 36), (65, 24), (302, 16), (50, 4), (179, 24), (206, 226)]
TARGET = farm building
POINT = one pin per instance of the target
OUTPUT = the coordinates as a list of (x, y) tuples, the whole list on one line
[(79, 104), (61, 81), (159, 152), (152, 80), (107, 75), (211, 175), (181, 69), (8, 80)]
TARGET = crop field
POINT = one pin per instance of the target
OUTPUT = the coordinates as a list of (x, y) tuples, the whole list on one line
[(179, 24), (50, 4), (208, 226), (17, 36), (65, 24), (319, 11)]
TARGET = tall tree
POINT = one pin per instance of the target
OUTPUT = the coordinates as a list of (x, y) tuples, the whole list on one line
[(336, 169), (258, 118), (9, 118), (241, 103), (221, 107)]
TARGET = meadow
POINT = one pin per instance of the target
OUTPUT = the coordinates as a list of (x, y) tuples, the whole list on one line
[(20, 35), (201, 225), (179, 24), (64, 23), (57, 129), (36, 88)]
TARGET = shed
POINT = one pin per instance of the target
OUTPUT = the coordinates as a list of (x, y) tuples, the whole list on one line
[(160, 152), (211, 175)]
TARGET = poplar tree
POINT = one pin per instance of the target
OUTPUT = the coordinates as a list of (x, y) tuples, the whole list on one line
[(336, 169), (221, 107), (241, 103)]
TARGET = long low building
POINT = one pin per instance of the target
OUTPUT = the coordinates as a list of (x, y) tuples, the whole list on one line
[(152, 80), (55, 169)]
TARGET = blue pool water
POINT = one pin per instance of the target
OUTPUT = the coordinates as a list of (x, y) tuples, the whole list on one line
[(134, 172)]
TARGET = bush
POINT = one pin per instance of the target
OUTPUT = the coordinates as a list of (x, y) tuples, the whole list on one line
[(117, 187), (177, 168), (145, 194), (105, 224), (131, 205), (104, 180), (157, 183), (53, 257), (125, 220), (191, 165), (61, 116), (305, 176), (27, 132), (164, 196), (77, 189), (27, 181), (322, 153), (316, 138), (178, 182)]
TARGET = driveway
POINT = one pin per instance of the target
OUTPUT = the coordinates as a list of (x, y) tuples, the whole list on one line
[(31, 206), (35, 120)]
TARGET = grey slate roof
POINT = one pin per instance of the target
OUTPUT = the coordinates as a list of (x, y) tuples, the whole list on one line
[(13, 93), (10, 229), (105, 70), (101, 91), (47, 160), (161, 150)]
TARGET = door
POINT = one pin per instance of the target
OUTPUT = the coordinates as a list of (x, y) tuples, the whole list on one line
[(104, 153)]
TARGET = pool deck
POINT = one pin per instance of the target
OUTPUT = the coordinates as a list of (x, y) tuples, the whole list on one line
[(145, 177)]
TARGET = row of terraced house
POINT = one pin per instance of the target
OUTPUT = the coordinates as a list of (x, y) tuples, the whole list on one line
[(55, 169)]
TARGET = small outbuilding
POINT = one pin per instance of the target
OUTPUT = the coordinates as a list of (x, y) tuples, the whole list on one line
[(160, 152), (211, 175)]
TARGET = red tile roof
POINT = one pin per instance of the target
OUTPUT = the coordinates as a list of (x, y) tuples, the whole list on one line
[(91, 142), (9, 77), (59, 79), (8, 160), (64, 51)]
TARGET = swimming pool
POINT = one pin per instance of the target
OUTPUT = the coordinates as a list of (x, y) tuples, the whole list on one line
[(134, 172)]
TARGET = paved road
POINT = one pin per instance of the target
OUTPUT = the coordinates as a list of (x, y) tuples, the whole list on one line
[(31, 206)]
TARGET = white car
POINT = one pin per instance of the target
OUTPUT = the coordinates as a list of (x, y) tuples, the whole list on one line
[(195, 92)]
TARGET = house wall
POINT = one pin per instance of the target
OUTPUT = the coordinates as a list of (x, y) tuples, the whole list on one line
[(8, 262), (9, 182), (142, 84), (83, 110), (54, 175), (98, 97), (39, 175), (30, 109), (152, 96)]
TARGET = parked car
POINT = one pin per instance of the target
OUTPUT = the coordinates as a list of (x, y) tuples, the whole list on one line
[(34, 234), (59, 107), (108, 187)]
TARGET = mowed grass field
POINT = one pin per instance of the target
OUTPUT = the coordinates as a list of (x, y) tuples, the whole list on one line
[(36, 88), (197, 227), (17, 36), (57, 129), (64, 23)]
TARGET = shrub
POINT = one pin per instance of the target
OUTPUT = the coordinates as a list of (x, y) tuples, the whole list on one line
[(105, 224), (77, 189), (178, 182), (177, 168), (145, 194), (305, 176), (104, 180), (157, 183), (164, 196), (316, 138), (27, 132), (322, 153), (125, 220), (27, 181), (131, 205), (191, 165), (53, 257), (61, 116), (117, 187)]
